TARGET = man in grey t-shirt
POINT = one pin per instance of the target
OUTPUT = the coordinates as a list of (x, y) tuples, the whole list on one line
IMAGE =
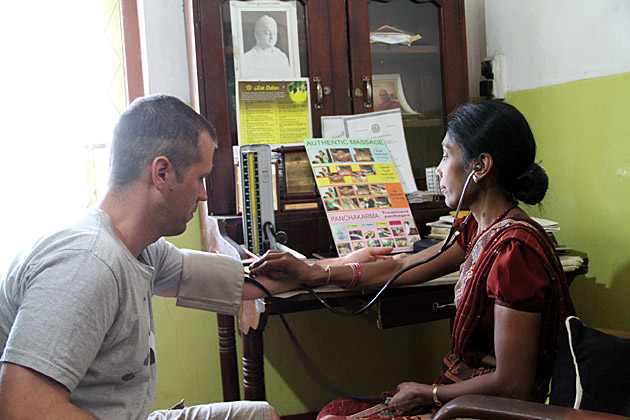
[(76, 322)]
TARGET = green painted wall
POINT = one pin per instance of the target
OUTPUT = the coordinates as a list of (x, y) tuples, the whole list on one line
[(582, 129), (583, 134), (187, 351)]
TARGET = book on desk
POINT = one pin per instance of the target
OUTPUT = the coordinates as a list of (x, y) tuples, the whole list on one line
[(441, 228)]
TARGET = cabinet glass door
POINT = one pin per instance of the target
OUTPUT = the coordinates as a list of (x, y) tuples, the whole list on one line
[(218, 41), (250, 27), (406, 74), (402, 67), (405, 51)]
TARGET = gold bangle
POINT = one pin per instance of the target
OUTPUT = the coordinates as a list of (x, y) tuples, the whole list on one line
[(436, 400)]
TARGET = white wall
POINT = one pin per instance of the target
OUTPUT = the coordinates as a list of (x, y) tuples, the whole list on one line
[(547, 42), (165, 63), (475, 42)]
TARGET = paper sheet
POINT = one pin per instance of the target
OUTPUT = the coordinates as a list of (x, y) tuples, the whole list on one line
[(386, 125)]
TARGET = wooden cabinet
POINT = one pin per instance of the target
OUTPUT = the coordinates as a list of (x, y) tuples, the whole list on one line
[(336, 54)]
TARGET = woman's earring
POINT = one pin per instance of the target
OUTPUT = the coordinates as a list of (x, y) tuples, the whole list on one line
[(475, 178)]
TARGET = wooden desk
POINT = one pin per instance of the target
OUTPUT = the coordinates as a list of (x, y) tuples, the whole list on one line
[(430, 301)]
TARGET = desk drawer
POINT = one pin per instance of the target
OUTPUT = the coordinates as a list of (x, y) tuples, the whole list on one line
[(425, 306)]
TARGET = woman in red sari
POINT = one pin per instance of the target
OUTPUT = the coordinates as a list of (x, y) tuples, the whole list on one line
[(512, 296)]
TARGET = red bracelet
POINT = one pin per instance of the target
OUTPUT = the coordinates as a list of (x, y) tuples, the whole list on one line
[(356, 275)]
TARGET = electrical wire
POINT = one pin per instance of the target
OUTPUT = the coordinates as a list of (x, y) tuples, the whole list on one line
[(308, 363)]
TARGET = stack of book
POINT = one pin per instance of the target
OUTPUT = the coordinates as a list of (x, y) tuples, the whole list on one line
[(422, 197), (441, 227), (549, 225)]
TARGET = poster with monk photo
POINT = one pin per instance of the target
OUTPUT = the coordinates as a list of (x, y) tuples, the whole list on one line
[(265, 40)]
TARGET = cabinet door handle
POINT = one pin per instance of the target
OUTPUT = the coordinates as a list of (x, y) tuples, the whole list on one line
[(320, 92), (437, 306), (368, 88)]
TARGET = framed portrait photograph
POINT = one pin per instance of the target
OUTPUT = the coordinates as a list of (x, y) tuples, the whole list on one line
[(265, 39), (389, 94)]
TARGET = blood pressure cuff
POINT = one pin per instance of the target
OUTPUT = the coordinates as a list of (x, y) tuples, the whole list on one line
[(211, 282)]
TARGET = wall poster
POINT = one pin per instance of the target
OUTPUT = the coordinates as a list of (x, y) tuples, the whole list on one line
[(364, 200), (265, 40), (273, 112)]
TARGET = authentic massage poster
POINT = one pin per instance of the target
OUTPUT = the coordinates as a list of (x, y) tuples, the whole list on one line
[(364, 200)]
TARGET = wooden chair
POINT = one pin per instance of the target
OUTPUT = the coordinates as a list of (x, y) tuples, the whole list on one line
[(498, 408)]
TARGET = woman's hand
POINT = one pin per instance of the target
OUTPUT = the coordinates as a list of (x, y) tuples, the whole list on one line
[(371, 254), (411, 398), (283, 266)]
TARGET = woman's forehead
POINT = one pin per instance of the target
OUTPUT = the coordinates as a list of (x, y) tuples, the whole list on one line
[(448, 143)]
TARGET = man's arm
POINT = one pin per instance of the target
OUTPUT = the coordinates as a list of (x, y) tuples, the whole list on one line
[(364, 255), (251, 291), (172, 292), (27, 394)]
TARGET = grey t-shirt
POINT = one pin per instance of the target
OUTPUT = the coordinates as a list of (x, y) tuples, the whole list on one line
[(77, 308)]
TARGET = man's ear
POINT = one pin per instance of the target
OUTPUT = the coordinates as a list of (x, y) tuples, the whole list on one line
[(161, 172)]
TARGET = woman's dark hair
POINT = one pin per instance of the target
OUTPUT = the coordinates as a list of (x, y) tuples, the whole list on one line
[(500, 130), (153, 126)]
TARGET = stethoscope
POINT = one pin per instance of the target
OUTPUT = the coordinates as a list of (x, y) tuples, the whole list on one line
[(314, 371), (450, 240)]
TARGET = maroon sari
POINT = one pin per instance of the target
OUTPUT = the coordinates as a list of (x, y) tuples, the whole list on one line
[(512, 264)]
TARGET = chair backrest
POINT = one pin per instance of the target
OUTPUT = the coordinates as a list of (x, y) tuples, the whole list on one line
[(592, 371), (591, 381)]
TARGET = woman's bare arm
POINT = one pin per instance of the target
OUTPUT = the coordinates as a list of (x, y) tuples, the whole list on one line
[(516, 337), (284, 267)]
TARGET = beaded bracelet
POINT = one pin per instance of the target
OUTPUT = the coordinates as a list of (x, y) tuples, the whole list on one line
[(327, 268), (356, 275)]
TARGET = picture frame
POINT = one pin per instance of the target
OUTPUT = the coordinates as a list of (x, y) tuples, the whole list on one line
[(298, 188), (389, 86), (250, 63)]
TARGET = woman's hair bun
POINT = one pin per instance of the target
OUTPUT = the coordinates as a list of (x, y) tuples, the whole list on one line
[(531, 186)]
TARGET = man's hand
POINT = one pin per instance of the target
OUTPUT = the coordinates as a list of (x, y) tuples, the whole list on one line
[(27, 394)]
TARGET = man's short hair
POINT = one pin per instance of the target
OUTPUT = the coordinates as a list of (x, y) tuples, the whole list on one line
[(152, 126)]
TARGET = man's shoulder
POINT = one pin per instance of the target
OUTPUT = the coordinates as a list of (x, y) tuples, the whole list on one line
[(88, 236), (84, 234)]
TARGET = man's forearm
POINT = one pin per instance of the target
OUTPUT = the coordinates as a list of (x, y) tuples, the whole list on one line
[(251, 291)]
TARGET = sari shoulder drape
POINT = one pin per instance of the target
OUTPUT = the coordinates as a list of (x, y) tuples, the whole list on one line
[(474, 299)]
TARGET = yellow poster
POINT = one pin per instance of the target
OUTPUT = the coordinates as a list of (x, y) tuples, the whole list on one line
[(273, 112)]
